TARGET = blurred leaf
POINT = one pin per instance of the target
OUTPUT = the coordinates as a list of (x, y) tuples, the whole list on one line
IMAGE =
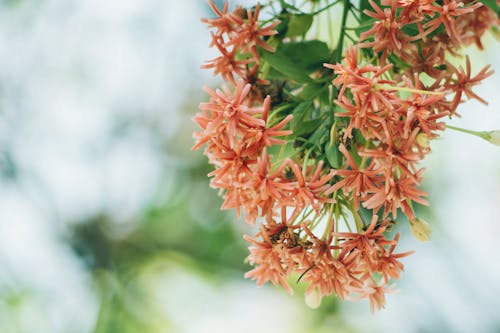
[(297, 60), (283, 64), (311, 91), (299, 114), (299, 24), (493, 5), (333, 155), (307, 55), (307, 127)]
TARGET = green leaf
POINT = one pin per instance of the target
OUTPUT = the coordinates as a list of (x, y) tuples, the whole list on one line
[(296, 60), (307, 127), (311, 91), (365, 5), (274, 74), (299, 114), (308, 55), (493, 5), (298, 25), (354, 154), (333, 155), (283, 64), (319, 135)]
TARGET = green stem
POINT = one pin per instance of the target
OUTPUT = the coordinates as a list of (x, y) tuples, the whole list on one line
[(482, 135), (418, 91), (330, 221), (361, 26), (338, 55), (357, 219), (325, 8), (490, 136)]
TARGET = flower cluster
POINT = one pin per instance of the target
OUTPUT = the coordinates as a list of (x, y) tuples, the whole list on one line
[(237, 35), (323, 169)]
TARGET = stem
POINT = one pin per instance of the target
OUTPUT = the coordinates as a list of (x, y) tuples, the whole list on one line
[(419, 91), (361, 26), (330, 29), (463, 130), (338, 54), (330, 221), (306, 160), (325, 8), (357, 219), (483, 135), (276, 111), (333, 134), (354, 14), (364, 159)]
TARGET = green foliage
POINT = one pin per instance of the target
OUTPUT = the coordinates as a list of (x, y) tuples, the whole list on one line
[(493, 5), (299, 24), (333, 155), (297, 60), (299, 114)]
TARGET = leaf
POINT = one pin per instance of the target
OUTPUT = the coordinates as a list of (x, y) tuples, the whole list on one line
[(283, 64), (308, 55), (299, 24), (296, 60), (319, 136), (365, 5), (493, 5), (311, 91), (274, 74), (420, 229), (354, 154), (306, 127), (333, 155), (299, 114)]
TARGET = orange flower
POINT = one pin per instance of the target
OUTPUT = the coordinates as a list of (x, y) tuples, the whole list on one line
[(261, 136), (232, 108), (362, 251), (249, 34), (375, 293), (387, 33), (309, 193), (472, 26), (464, 82), (226, 65), (275, 255), (267, 259), (447, 14), (388, 264), (356, 181), (224, 23), (396, 194)]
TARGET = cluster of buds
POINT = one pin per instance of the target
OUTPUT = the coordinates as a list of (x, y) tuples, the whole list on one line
[(321, 167)]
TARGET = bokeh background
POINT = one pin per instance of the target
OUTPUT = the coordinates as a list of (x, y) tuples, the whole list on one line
[(107, 223)]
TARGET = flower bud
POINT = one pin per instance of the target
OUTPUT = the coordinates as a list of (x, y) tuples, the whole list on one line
[(313, 299), (494, 137), (420, 229), (423, 140)]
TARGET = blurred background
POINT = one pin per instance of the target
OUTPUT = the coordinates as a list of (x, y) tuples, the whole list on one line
[(107, 223)]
